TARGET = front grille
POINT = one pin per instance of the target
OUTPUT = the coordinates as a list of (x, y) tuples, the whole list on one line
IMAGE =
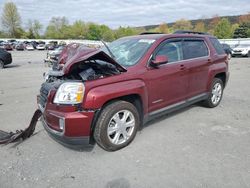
[(45, 89), (44, 92)]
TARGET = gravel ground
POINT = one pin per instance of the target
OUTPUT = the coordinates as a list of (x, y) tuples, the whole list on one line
[(194, 147)]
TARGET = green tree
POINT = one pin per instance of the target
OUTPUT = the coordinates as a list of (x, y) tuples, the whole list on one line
[(223, 29), (182, 25), (94, 32), (34, 29), (163, 28), (200, 27), (58, 28), (242, 31), (106, 33), (78, 30), (125, 31), (11, 19)]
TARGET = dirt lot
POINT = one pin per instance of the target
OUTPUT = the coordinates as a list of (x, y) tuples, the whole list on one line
[(194, 147)]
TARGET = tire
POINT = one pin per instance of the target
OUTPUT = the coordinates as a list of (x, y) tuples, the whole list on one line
[(110, 132), (1, 64), (248, 54), (215, 94)]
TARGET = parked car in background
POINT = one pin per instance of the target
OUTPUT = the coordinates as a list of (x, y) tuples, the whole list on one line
[(242, 50), (52, 56), (7, 46), (20, 46), (49, 46), (29, 47), (40, 47), (106, 95), (5, 58), (34, 44), (228, 50)]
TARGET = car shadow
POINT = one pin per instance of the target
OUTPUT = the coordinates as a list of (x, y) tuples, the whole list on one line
[(11, 66)]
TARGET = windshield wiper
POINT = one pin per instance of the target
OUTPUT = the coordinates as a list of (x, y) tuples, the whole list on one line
[(112, 55)]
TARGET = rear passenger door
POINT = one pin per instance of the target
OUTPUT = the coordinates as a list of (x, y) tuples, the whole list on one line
[(196, 57)]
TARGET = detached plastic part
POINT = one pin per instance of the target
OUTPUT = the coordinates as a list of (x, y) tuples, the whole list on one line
[(10, 137)]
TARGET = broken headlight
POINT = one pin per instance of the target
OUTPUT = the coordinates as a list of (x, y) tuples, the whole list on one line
[(70, 93)]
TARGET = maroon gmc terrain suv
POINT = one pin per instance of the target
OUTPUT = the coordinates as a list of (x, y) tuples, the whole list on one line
[(105, 95)]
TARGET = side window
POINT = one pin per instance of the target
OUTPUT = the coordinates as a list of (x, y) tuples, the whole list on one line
[(172, 50), (217, 46), (194, 49)]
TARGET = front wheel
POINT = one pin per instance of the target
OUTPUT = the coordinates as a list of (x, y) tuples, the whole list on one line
[(215, 94), (117, 125)]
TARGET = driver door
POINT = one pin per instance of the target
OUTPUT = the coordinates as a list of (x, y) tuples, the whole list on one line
[(168, 83)]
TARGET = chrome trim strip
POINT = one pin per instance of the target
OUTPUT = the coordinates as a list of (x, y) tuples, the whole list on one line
[(159, 100), (51, 130)]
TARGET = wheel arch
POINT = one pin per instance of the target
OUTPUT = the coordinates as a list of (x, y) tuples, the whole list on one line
[(221, 76), (134, 99)]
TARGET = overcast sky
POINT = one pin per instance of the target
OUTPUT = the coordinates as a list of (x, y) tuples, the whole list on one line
[(115, 13)]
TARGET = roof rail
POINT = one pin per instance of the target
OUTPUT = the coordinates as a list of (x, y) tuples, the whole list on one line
[(190, 32), (150, 33)]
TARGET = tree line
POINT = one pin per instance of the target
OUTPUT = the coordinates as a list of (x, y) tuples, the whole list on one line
[(60, 28)]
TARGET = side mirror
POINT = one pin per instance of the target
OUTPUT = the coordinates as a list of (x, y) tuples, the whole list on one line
[(159, 60)]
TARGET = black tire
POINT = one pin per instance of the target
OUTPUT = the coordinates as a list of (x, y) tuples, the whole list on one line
[(1, 64), (248, 54), (208, 102), (104, 121)]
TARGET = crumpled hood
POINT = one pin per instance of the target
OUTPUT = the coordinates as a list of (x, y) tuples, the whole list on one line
[(76, 53)]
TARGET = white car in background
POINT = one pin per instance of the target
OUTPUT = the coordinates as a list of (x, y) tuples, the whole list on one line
[(29, 47), (40, 47), (241, 50)]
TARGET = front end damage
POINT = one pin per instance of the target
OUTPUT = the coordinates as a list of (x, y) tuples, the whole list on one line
[(68, 123)]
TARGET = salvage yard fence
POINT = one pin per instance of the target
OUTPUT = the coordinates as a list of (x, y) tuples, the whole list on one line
[(235, 42), (231, 42)]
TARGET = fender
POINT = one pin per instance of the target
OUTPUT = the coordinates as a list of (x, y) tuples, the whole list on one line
[(98, 96), (217, 68)]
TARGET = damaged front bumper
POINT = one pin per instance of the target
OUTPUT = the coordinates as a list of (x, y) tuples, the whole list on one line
[(71, 129)]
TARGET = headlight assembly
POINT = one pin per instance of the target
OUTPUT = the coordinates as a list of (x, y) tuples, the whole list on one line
[(69, 93)]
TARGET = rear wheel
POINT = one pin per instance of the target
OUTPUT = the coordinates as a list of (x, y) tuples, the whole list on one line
[(1, 64), (117, 125), (215, 94)]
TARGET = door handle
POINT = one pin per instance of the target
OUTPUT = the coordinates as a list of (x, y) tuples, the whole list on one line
[(182, 67)]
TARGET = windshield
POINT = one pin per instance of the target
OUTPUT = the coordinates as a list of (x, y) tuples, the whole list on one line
[(128, 51)]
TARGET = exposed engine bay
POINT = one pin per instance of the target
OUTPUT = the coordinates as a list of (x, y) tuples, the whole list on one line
[(86, 70)]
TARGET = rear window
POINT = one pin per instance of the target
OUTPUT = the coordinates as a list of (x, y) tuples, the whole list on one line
[(194, 49), (217, 46)]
